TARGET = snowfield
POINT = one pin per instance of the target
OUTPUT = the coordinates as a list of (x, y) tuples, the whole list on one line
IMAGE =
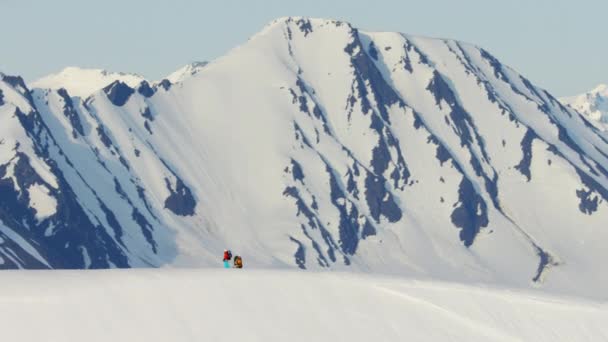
[(263, 305)]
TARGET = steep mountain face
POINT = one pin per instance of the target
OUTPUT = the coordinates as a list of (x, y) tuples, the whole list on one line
[(593, 104), (84, 82), (313, 145)]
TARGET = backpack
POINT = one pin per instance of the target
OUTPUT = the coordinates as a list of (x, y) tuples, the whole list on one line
[(238, 262)]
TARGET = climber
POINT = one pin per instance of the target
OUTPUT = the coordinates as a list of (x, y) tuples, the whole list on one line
[(227, 258), (238, 262)]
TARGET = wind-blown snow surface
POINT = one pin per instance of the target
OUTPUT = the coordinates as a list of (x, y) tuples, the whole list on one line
[(228, 305), (593, 104), (314, 145)]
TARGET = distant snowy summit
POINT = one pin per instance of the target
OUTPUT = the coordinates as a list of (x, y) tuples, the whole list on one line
[(83, 82), (593, 104)]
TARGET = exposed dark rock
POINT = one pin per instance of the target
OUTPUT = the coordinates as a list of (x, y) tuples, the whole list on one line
[(406, 61), (141, 192), (495, 64), (350, 227), (373, 52), (103, 136), (588, 204), (465, 128), (181, 201), (461, 119), (526, 147), (296, 170), (145, 89), (147, 127), (147, 114), (118, 93), (164, 84), (305, 26), (442, 154), (351, 185), (300, 136), (313, 223), (320, 257), (366, 72), (470, 213), (300, 254), (417, 121), (113, 223), (18, 84), (124, 162), (380, 200), (423, 59), (546, 261), (146, 228), (70, 113), (316, 112)]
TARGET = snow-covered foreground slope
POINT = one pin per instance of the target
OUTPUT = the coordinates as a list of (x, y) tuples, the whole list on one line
[(258, 305), (593, 104), (313, 145)]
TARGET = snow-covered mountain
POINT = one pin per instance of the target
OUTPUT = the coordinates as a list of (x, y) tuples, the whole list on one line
[(313, 145), (83, 82), (594, 104)]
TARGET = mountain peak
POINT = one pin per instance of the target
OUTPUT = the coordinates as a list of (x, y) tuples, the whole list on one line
[(305, 24), (312, 20)]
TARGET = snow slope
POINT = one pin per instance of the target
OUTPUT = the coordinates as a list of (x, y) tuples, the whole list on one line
[(259, 305), (84, 82), (593, 104), (313, 145)]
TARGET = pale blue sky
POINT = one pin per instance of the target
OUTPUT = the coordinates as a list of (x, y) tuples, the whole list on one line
[(561, 45)]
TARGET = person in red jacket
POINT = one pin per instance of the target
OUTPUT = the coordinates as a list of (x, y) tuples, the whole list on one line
[(227, 258)]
